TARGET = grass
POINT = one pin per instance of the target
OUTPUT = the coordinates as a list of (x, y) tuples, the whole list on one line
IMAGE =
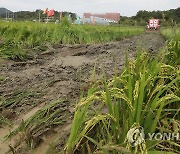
[(146, 94), (17, 37)]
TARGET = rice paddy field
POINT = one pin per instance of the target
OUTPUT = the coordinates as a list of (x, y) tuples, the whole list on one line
[(16, 38), (88, 89)]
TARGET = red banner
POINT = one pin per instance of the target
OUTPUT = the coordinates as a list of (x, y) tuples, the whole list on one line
[(45, 11), (51, 13)]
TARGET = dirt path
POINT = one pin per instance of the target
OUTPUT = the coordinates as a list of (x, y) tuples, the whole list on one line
[(61, 73)]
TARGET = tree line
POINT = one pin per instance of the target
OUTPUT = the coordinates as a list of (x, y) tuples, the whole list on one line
[(167, 18), (35, 15)]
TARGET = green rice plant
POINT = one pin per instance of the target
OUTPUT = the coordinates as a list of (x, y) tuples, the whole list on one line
[(12, 50), (173, 46), (137, 97), (169, 33), (28, 35), (173, 51)]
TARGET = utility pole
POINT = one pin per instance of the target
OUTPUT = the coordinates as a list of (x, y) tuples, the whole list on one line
[(6, 15), (60, 18), (47, 18), (13, 16), (83, 19), (39, 15)]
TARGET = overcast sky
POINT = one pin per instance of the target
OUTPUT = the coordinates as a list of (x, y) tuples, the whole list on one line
[(125, 7)]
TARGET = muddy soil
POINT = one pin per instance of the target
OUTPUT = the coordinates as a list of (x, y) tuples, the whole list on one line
[(62, 72)]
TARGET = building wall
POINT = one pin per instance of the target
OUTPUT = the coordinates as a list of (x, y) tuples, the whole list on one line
[(109, 16)]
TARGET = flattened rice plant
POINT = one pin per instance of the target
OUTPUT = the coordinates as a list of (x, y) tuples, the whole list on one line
[(38, 125)]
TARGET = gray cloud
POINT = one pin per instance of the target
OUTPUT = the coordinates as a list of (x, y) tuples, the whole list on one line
[(125, 7)]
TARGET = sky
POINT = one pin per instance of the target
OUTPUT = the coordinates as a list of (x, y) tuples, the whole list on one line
[(124, 7)]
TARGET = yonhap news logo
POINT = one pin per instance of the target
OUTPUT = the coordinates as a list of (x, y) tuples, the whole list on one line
[(136, 136), (164, 136)]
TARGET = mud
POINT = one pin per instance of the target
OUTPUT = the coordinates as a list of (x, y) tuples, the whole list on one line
[(4, 147), (59, 136), (62, 72)]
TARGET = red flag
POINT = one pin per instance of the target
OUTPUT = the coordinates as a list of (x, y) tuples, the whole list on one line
[(51, 13), (45, 11)]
